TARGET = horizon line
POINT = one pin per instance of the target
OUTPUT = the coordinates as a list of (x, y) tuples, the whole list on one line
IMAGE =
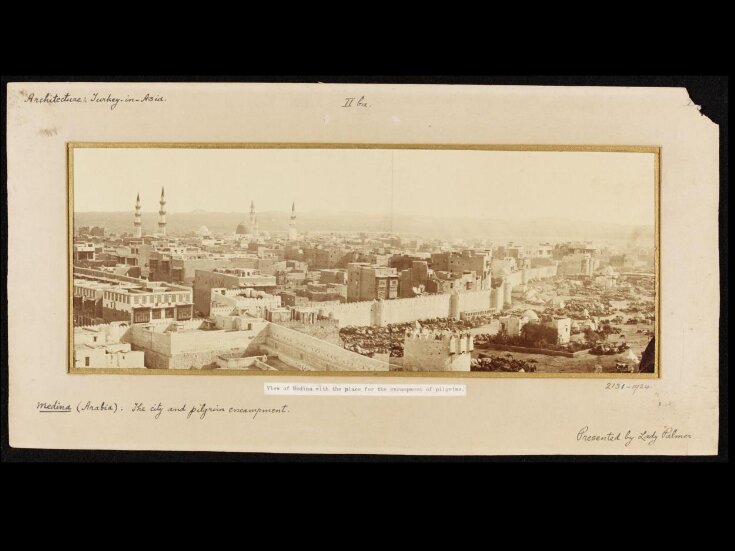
[(386, 214)]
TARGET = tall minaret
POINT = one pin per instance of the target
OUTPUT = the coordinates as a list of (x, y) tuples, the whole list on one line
[(292, 233), (253, 220), (162, 214), (137, 223)]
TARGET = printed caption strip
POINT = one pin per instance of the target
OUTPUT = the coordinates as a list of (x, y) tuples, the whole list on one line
[(366, 389)]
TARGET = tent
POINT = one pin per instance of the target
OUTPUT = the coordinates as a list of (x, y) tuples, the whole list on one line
[(629, 356)]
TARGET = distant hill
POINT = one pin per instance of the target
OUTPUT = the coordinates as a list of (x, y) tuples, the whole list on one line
[(429, 227)]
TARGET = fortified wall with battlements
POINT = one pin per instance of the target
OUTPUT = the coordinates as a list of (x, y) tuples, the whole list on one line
[(425, 350), (451, 305)]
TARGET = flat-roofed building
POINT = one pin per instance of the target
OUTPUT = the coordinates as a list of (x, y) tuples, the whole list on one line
[(150, 303), (87, 298), (242, 301), (100, 346), (371, 282), (228, 278)]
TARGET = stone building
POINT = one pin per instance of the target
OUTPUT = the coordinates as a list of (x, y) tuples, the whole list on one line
[(448, 282), (371, 282), (414, 279), (100, 346), (577, 264), (87, 295), (513, 325), (196, 344), (466, 261), (227, 278), (333, 276), (83, 252), (151, 302), (129, 299), (241, 302), (563, 328)]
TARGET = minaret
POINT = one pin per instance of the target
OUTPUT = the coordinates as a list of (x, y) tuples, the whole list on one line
[(292, 233), (137, 223), (253, 220), (162, 214)]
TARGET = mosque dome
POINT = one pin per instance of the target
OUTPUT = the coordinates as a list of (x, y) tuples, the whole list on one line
[(242, 229), (530, 315)]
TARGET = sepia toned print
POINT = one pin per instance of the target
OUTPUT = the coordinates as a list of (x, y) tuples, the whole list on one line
[(363, 259)]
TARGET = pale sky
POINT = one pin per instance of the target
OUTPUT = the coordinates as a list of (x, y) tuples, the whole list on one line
[(512, 185)]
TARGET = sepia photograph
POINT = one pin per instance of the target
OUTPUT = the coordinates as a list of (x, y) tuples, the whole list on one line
[(430, 260)]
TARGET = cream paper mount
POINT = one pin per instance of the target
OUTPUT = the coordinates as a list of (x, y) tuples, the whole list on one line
[(393, 409)]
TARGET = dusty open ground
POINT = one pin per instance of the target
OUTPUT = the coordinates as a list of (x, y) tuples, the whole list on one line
[(584, 363)]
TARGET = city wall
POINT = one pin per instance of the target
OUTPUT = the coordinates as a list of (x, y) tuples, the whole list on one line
[(306, 353), (325, 330), (410, 309), (350, 313), (474, 300), (525, 275), (403, 310)]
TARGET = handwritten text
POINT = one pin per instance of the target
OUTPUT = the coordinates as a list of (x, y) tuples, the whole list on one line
[(646, 437), (157, 409), (350, 102), (109, 99)]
